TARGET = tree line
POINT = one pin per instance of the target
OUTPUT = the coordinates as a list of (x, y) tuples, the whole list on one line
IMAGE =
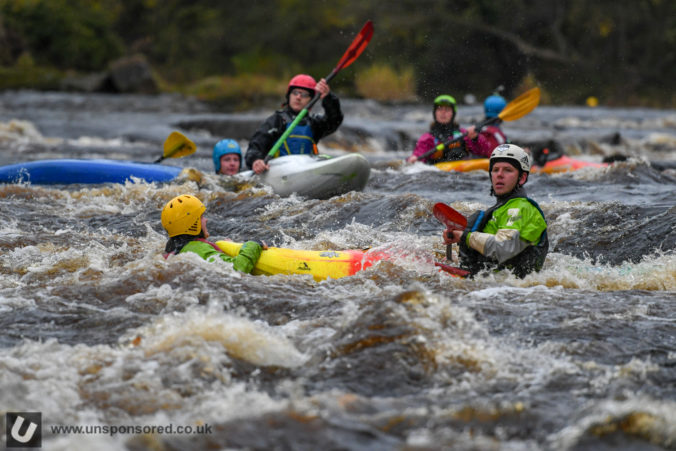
[(619, 51)]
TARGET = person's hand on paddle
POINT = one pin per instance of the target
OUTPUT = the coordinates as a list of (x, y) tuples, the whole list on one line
[(471, 132), (260, 166), (412, 159), (451, 236), (322, 88)]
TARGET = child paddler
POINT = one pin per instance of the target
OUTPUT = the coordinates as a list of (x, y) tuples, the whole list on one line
[(304, 138)]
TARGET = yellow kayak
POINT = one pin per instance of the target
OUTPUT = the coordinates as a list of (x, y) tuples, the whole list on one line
[(320, 264), (464, 165)]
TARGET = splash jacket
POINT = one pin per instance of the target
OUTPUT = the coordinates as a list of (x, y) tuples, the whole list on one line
[(511, 234), (305, 135), (245, 260), (494, 136), (457, 151)]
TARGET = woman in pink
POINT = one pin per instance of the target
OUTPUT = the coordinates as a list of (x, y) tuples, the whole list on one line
[(467, 142)]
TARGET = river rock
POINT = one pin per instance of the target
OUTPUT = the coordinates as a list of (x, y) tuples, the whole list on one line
[(132, 75)]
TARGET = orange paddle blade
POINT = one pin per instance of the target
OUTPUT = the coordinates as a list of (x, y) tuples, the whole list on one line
[(357, 47)]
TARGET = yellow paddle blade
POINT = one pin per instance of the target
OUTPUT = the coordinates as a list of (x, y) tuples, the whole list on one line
[(521, 106), (177, 145)]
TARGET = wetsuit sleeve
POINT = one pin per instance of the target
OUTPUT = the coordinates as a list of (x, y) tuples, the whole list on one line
[(502, 246), (264, 138), (331, 119), (479, 146), (247, 257), (245, 260)]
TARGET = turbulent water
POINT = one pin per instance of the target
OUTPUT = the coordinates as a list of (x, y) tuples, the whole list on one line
[(99, 330)]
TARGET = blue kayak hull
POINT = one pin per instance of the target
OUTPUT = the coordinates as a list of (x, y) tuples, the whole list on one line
[(65, 171)]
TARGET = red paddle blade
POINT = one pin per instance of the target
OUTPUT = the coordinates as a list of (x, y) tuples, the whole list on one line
[(357, 47), (452, 269), (452, 219)]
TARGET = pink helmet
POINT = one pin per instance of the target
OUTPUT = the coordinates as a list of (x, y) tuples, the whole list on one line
[(302, 81)]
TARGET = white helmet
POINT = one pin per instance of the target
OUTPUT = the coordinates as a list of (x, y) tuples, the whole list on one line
[(510, 153)]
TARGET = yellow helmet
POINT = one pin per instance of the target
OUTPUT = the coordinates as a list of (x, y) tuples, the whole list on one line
[(181, 215)]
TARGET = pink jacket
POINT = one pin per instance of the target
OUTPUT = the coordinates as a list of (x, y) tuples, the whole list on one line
[(479, 146), (494, 137)]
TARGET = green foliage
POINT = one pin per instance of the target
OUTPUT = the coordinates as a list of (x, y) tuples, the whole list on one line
[(24, 74), (63, 33), (242, 92), (574, 48), (381, 82)]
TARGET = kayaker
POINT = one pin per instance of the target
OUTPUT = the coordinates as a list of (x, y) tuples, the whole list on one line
[(306, 134), (227, 157), (183, 219), (493, 134), (512, 233), (443, 129)]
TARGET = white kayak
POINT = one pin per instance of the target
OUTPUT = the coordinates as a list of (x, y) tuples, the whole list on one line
[(314, 176)]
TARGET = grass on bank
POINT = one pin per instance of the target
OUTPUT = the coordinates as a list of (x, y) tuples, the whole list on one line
[(379, 82)]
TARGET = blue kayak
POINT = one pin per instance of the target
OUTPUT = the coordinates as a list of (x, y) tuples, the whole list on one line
[(65, 171)]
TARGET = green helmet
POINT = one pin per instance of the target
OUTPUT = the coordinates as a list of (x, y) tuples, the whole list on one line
[(445, 100)]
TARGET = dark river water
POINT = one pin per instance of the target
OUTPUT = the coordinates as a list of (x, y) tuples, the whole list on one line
[(100, 331)]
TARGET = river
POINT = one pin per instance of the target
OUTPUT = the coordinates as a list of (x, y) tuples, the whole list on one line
[(100, 331)]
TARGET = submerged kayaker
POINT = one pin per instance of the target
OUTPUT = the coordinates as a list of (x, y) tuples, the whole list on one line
[(227, 157), (306, 134), (512, 233), (183, 219), (442, 130)]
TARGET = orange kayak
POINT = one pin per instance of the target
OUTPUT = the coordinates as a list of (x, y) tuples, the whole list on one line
[(561, 164), (565, 164)]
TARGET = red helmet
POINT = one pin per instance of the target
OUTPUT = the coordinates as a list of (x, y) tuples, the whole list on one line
[(302, 81)]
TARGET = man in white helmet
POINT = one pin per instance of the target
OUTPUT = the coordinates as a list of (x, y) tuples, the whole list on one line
[(512, 233)]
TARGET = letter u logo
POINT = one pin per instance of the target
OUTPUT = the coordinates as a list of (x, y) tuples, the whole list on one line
[(23, 429), (26, 436)]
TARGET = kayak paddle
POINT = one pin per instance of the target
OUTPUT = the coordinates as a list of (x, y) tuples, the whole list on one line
[(516, 109), (177, 145), (353, 51), (452, 219)]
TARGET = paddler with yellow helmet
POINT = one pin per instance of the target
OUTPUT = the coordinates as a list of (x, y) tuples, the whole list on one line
[(512, 233), (183, 219)]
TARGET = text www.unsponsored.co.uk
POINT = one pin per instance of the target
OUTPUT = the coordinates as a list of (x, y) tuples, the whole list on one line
[(134, 429)]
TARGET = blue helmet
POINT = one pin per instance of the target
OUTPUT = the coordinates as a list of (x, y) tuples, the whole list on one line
[(493, 105), (224, 147)]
